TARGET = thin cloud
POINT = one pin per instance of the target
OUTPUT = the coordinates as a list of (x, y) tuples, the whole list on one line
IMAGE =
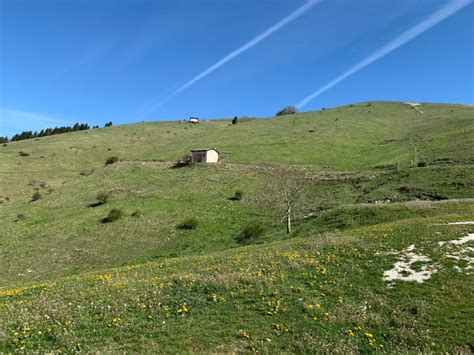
[(253, 42), (13, 121), (88, 60), (446, 11), (31, 116)]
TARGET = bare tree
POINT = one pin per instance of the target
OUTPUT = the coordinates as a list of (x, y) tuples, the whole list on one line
[(286, 194)]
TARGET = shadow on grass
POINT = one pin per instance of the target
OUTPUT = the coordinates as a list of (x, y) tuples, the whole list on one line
[(113, 215), (95, 204)]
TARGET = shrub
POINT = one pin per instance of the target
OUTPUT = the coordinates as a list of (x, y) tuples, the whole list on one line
[(235, 120), (36, 196), (189, 223), (184, 161), (86, 172), (113, 215), (136, 214), (237, 196), (102, 197), (288, 110), (23, 154), (251, 233), (111, 160), (20, 217)]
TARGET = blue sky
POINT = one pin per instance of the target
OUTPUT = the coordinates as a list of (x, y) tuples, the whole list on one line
[(93, 61)]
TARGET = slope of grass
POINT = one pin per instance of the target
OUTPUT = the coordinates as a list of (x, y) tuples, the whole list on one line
[(358, 215), (377, 178), (361, 137), (59, 235), (62, 233), (323, 293)]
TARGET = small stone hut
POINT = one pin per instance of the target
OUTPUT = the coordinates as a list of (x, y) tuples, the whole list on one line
[(205, 155)]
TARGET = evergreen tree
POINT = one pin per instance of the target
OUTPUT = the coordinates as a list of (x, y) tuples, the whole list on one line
[(48, 132)]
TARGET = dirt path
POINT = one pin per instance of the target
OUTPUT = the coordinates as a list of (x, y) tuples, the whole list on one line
[(309, 171)]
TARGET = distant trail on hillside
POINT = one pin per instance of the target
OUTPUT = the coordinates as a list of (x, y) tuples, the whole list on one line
[(446, 11), (250, 44), (262, 168)]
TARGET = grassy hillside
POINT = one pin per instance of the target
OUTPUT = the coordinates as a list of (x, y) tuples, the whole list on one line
[(323, 293), (377, 177), (362, 137)]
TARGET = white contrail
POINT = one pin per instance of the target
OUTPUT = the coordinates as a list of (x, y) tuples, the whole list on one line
[(451, 8), (253, 42)]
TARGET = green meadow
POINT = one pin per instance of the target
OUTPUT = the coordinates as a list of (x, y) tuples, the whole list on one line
[(382, 183)]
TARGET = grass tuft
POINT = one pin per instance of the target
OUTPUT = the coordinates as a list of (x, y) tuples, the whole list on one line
[(188, 223), (113, 215)]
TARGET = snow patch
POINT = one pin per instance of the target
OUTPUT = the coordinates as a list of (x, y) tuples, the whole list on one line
[(402, 270), (463, 240), (452, 223), (462, 254), (458, 223), (415, 106)]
